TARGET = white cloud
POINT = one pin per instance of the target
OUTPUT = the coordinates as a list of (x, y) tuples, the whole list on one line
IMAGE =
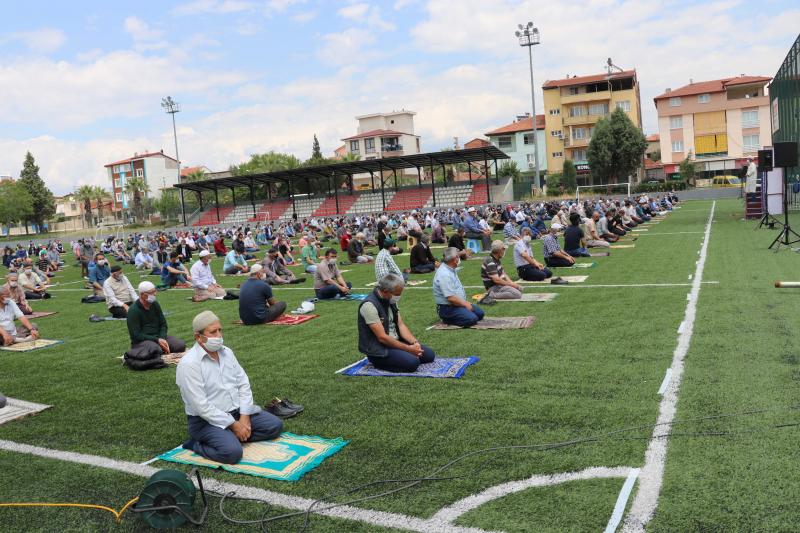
[(347, 47), (273, 7), (141, 30), (304, 16), (366, 14), (43, 40), (197, 7), (354, 11)]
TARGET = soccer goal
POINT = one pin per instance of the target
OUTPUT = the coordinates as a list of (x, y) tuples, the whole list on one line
[(611, 189)]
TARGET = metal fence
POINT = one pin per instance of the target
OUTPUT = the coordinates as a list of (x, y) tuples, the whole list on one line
[(784, 94)]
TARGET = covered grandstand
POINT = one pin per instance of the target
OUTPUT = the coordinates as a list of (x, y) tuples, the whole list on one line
[(384, 194)]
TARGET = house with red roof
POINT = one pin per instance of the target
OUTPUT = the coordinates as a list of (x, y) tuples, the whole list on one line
[(516, 140), (719, 123), (158, 170)]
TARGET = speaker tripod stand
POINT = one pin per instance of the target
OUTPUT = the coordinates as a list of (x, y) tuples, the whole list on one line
[(787, 235)]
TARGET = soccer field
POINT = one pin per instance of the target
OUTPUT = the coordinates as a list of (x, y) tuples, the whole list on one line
[(594, 362)]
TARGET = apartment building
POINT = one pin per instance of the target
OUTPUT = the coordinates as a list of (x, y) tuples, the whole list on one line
[(573, 106), (159, 171), (516, 140), (719, 123)]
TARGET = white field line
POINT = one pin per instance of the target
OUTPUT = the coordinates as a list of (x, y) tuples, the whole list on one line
[(295, 503), (665, 382), (622, 501), (455, 510), (652, 475), (671, 233)]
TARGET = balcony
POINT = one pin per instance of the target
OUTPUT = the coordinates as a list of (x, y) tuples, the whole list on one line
[(576, 143), (585, 97), (391, 149), (582, 119)]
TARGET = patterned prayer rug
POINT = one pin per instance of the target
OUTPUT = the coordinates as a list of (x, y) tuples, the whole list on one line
[(503, 322), (286, 458), (28, 346), (16, 409), (441, 367), (285, 320)]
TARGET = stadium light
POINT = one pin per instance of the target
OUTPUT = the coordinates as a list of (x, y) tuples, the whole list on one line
[(528, 36), (171, 107)]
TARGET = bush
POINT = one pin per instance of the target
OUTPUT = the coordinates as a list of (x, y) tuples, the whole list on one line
[(660, 186)]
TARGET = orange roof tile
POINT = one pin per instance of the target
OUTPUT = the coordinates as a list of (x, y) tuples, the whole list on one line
[(477, 143), (653, 138), (581, 80), (139, 156), (526, 124), (712, 86)]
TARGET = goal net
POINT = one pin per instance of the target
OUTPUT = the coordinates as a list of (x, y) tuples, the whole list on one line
[(611, 189)]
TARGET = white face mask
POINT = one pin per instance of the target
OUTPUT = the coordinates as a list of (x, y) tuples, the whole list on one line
[(394, 299), (213, 344), (527, 238), (151, 298), (12, 283)]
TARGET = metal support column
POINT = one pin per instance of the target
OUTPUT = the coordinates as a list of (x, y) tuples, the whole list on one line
[(216, 201), (496, 174), (183, 208), (488, 190), (394, 171), (200, 199), (233, 194), (469, 169), (372, 181), (252, 198), (335, 192), (444, 175), (291, 195), (433, 183), (383, 192), (419, 177)]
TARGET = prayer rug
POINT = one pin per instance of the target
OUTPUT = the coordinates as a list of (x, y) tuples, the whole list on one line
[(16, 409), (581, 265), (40, 314), (530, 297), (501, 322), (409, 283), (639, 230), (286, 458), (285, 320), (622, 246), (28, 346), (600, 254), (171, 358), (571, 279), (351, 296), (441, 367)]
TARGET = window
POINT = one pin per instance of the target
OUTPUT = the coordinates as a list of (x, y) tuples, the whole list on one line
[(527, 138), (703, 98), (116, 183), (579, 155), (558, 154), (354, 146), (530, 158), (625, 105), (139, 172), (750, 118), (555, 111), (73, 206), (677, 146), (505, 142), (119, 197), (750, 143), (573, 91), (598, 109), (556, 133), (675, 101), (578, 133), (577, 111), (675, 123), (369, 145)]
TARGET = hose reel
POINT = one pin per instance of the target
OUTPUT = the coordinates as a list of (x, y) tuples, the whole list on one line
[(168, 498)]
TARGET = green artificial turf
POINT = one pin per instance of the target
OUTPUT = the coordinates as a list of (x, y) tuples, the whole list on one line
[(592, 362)]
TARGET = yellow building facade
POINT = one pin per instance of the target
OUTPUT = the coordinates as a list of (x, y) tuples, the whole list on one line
[(572, 108)]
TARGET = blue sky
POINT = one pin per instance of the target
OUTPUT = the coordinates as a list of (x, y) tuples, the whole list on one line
[(81, 82)]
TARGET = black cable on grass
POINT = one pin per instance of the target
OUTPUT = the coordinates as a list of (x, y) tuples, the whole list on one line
[(410, 483)]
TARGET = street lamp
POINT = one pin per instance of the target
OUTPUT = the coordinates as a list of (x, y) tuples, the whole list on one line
[(529, 36), (171, 106)]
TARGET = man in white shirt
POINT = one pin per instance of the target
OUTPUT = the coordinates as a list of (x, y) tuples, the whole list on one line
[(119, 293), (143, 260), (217, 397), (9, 332), (205, 285), (751, 178)]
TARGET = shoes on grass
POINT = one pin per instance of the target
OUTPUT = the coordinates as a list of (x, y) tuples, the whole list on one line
[(283, 408), (95, 318), (559, 281), (487, 300)]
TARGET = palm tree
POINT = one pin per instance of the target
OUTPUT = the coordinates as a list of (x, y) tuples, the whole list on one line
[(99, 195), (349, 157), (197, 175), (136, 187), (85, 194)]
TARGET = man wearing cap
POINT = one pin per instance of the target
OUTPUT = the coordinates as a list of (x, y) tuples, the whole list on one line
[(217, 397), (119, 293), (256, 303), (473, 229), (412, 225), (448, 292), (9, 333), (17, 293), (497, 283), (203, 280), (328, 281), (235, 264), (751, 178), (147, 326), (422, 260)]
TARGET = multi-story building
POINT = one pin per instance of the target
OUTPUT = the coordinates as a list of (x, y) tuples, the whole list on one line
[(516, 140), (158, 170), (573, 106), (718, 123)]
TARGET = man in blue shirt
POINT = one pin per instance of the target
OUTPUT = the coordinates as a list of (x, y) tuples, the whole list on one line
[(234, 264), (99, 272), (256, 303), (451, 300), (474, 231)]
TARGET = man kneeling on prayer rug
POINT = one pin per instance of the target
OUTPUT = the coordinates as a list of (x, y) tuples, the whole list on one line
[(9, 312), (497, 283), (256, 303), (451, 299), (383, 336), (147, 326), (217, 397)]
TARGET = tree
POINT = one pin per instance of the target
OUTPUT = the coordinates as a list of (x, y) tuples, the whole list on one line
[(136, 187), (569, 177), (616, 148), (44, 206), (16, 203), (197, 175), (85, 194), (350, 157), (509, 169), (688, 170), (99, 195), (168, 205), (553, 182), (316, 153)]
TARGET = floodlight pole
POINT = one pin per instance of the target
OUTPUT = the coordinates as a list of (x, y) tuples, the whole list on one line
[(171, 106), (528, 36)]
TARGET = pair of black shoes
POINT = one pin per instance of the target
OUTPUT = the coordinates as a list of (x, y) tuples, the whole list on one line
[(284, 408)]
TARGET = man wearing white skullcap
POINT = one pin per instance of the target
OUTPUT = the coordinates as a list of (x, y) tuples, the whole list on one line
[(217, 397), (256, 303), (147, 327)]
